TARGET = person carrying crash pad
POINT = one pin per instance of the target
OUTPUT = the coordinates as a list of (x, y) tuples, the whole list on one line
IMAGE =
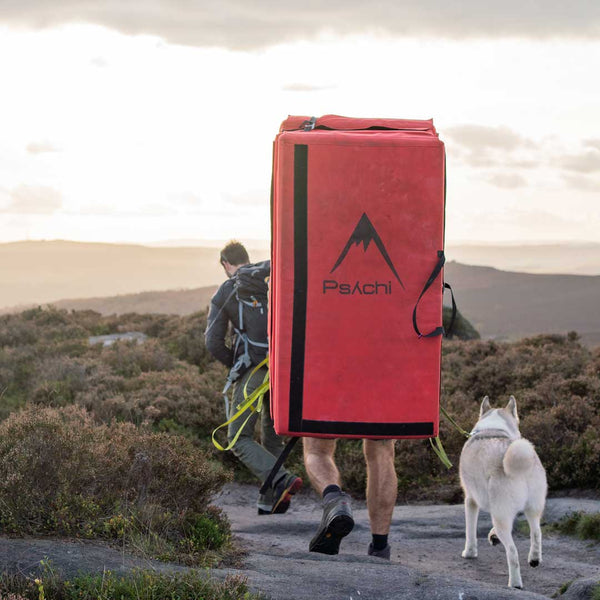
[(241, 301), (381, 490)]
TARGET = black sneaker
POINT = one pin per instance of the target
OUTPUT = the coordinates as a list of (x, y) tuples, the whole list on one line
[(337, 522), (283, 492), (383, 553)]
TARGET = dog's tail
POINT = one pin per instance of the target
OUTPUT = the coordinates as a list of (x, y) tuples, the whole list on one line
[(519, 458)]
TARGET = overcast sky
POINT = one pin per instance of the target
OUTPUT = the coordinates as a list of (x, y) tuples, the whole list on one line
[(151, 120)]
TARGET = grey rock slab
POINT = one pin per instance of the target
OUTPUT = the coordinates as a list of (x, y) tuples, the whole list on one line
[(583, 589), (317, 576), (70, 557), (426, 545)]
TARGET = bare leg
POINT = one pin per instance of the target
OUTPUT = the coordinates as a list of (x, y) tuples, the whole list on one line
[(471, 515), (382, 484), (337, 521), (320, 466)]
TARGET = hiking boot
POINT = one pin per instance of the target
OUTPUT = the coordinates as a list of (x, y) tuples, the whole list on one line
[(282, 495), (336, 523), (383, 553)]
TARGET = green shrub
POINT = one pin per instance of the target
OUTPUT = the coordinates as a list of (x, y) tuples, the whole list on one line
[(129, 359), (543, 373), (61, 473), (585, 526), (563, 588), (180, 400), (142, 384), (45, 358)]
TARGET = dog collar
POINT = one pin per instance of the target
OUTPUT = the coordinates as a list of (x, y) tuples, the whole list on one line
[(481, 434)]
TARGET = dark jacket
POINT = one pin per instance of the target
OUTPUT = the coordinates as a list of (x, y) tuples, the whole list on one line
[(223, 310)]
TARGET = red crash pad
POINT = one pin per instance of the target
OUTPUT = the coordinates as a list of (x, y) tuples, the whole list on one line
[(358, 231)]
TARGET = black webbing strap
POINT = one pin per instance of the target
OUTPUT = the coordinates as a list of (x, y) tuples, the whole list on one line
[(309, 125), (450, 329), (284, 454), (432, 278)]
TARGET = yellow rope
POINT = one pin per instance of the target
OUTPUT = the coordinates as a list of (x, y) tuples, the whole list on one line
[(255, 397)]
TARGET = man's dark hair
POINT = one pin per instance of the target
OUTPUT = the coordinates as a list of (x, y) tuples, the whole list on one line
[(235, 253)]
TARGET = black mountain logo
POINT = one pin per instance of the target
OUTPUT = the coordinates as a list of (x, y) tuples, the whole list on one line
[(365, 232)]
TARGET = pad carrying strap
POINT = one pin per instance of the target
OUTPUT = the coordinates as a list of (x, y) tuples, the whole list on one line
[(280, 460), (438, 330)]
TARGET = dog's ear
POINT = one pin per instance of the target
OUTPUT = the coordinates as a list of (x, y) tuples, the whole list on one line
[(511, 407), (485, 406)]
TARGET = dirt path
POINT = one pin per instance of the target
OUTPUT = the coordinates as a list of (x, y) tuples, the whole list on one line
[(426, 562)]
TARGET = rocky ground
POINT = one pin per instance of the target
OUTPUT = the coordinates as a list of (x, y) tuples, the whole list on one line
[(426, 562)]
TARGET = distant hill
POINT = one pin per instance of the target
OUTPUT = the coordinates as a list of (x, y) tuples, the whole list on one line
[(508, 305), (42, 272), (571, 259), (500, 304), (113, 278), (174, 302)]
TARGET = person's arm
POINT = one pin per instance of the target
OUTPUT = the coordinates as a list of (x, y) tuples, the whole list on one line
[(216, 332)]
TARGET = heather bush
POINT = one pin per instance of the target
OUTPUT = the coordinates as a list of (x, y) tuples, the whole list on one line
[(180, 400), (52, 324), (184, 338), (58, 379), (556, 382), (60, 472), (170, 384), (139, 383), (129, 358), (16, 332)]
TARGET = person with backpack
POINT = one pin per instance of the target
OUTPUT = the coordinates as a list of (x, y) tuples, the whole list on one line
[(241, 302)]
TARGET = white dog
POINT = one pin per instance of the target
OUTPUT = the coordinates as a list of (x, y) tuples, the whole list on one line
[(501, 473)]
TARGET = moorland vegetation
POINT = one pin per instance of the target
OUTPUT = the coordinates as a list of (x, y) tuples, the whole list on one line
[(114, 442)]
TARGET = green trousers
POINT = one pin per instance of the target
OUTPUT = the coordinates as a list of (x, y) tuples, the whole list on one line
[(258, 457)]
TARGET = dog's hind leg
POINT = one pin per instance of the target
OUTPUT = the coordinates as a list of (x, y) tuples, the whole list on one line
[(535, 536), (471, 515), (503, 529)]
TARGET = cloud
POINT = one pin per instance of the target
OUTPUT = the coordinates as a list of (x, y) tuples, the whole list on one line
[(482, 146), (508, 181), (523, 164), (585, 162), (111, 210), (41, 147), (523, 224), (250, 199), (583, 183), (249, 25), (305, 87), (481, 137), (188, 202), (594, 143), (33, 200), (99, 62)]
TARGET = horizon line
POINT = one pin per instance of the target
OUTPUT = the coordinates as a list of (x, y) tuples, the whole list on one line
[(215, 242)]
